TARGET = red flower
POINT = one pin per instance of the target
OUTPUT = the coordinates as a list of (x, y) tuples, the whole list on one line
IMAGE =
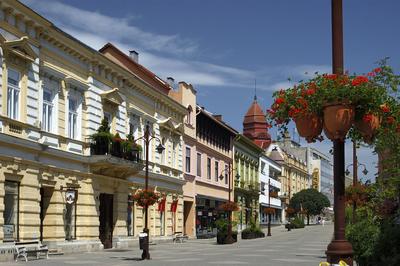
[(310, 91), (377, 70), (390, 120), (331, 76), (367, 118), (279, 100), (385, 108), (359, 80), (371, 74)]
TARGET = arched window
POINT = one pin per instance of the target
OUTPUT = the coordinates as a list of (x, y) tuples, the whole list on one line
[(189, 115)]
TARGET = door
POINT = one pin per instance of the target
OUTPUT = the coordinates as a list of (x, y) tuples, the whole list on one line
[(106, 219), (45, 196)]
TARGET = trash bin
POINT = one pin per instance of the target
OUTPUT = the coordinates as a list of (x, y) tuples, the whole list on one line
[(143, 240)]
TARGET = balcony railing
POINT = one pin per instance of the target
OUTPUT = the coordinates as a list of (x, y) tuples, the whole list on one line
[(115, 149)]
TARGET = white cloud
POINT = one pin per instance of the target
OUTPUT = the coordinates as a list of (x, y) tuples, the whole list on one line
[(165, 55)]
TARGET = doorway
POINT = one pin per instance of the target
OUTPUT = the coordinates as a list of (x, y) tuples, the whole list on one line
[(45, 196), (106, 220), (188, 217)]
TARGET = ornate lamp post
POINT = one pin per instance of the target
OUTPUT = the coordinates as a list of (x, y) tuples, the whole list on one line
[(160, 148), (229, 239), (339, 248), (355, 165)]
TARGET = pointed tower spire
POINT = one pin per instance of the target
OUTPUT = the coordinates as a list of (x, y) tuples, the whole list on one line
[(255, 90)]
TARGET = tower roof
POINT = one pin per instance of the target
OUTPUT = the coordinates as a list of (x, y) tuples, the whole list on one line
[(255, 125), (254, 114)]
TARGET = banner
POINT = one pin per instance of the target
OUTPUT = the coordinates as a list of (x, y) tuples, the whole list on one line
[(161, 205), (174, 205)]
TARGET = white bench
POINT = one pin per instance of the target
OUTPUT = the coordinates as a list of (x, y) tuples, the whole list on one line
[(179, 236), (22, 249)]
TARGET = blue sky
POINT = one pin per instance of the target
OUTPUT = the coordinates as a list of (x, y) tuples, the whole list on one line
[(222, 46)]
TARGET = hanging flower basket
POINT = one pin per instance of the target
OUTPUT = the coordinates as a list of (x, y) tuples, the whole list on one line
[(269, 210), (145, 198), (338, 119), (273, 194), (368, 126), (356, 194), (309, 126), (229, 206)]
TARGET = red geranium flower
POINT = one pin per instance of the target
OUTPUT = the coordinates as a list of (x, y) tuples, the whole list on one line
[(385, 108), (331, 76), (359, 80), (377, 70), (367, 118), (279, 100), (390, 120)]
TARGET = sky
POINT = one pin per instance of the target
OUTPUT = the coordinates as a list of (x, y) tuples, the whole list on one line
[(228, 49)]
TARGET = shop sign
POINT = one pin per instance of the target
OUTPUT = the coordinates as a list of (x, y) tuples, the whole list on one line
[(70, 196), (210, 214), (199, 213), (8, 230)]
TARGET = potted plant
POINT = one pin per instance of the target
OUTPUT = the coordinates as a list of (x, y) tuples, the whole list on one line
[(116, 146), (222, 231), (100, 141), (147, 197), (335, 103), (253, 231)]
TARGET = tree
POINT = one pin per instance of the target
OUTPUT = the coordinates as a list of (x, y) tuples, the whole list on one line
[(309, 201)]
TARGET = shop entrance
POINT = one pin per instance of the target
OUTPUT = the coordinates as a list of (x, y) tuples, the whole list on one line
[(45, 196), (106, 219), (188, 217)]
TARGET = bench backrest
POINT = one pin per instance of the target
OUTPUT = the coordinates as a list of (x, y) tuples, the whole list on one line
[(28, 244)]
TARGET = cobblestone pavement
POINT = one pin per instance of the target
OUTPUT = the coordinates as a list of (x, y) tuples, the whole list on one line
[(300, 247)]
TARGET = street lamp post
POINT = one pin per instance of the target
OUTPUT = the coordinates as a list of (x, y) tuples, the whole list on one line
[(160, 148), (355, 165), (229, 239), (339, 248)]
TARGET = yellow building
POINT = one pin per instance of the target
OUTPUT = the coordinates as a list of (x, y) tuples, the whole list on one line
[(54, 93), (247, 188), (294, 176)]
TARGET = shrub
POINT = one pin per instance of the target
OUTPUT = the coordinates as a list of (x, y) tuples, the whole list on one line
[(297, 222)]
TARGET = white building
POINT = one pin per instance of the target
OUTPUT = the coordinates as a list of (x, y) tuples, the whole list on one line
[(269, 189), (320, 168)]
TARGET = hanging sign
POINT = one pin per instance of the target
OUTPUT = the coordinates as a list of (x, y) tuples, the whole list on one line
[(70, 196), (174, 205)]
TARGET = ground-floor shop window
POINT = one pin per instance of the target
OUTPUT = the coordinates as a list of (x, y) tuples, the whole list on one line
[(11, 211), (70, 214)]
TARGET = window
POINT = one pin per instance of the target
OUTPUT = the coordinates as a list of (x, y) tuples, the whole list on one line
[(209, 168), (163, 140), (11, 211), (47, 115), (216, 171), (263, 168), (108, 118), (72, 118), (13, 94), (226, 174), (198, 164), (174, 153), (262, 188), (189, 115), (187, 160)]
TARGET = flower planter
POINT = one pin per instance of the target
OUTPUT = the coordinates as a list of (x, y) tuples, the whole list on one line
[(309, 126), (338, 119), (222, 236), (252, 235), (368, 127)]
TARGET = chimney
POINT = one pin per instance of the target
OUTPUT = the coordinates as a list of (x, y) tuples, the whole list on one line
[(218, 117), (134, 55), (171, 81)]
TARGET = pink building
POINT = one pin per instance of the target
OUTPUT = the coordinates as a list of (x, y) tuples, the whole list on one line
[(207, 157)]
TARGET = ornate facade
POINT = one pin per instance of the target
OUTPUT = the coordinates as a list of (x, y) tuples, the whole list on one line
[(54, 93)]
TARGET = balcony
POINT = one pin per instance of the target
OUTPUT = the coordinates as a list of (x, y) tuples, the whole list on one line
[(114, 159)]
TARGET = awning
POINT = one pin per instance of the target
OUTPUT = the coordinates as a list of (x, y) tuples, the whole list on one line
[(266, 205)]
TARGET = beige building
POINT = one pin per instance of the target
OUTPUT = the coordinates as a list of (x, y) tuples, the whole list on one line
[(208, 157), (294, 176), (55, 185)]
